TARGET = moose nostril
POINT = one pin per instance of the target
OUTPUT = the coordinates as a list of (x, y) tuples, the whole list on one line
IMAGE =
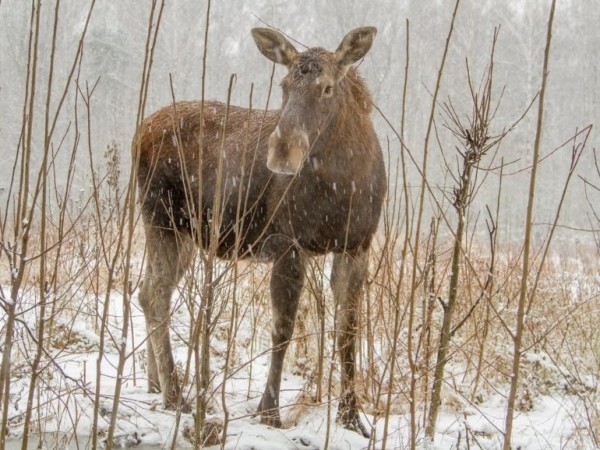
[(287, 150)]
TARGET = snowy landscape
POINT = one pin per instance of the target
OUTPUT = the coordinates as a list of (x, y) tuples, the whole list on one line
[(482, 278), (554, 411)]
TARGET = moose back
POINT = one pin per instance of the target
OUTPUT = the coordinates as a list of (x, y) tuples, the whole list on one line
[(280, 185)]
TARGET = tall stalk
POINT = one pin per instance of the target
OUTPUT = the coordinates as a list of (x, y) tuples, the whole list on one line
[(202, 360), (125, 233), (477, 141), (238, 227), (405, 247), (523, 293), (17, 254), (421, 205), (493, 234), (208, 292), (43, 284), (461, 203)]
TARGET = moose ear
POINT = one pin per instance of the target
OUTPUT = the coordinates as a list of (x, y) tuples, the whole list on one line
[(354, 46), (274, 46)]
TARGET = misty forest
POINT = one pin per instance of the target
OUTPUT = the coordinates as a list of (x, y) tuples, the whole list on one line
[(299, 225)]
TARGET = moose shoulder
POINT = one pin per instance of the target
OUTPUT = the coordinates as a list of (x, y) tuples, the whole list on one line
[(280, 185)]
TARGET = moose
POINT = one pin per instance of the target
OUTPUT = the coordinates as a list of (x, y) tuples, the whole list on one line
[(281, 186)]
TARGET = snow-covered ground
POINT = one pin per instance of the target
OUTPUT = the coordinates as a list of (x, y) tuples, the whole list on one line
[(555, 418)]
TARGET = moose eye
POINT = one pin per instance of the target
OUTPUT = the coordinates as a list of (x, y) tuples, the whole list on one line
[(328, 91)]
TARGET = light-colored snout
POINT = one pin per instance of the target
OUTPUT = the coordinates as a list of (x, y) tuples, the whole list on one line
[(287, 153)]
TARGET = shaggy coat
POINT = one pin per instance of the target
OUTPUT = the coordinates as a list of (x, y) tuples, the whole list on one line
[(278, 185)]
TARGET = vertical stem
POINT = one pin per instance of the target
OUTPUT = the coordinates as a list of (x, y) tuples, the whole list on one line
[(239, 227), (336, 308), (493, 246), (207, 263), (23, 221), (405, 247), (445, 333), (523, 294), (415, 271), (127, 225), (43, 285), (208, 292)]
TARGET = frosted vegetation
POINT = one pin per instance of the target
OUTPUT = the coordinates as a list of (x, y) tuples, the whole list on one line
[(479, 322)]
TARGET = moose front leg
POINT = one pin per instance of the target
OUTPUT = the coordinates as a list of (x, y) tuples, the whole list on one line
[(347, 279), (287, 280)]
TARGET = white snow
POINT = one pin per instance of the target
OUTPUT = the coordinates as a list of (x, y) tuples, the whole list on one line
[(552, 423)]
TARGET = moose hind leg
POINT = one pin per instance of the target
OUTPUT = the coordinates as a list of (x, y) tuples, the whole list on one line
[(287, 280), (168, 256), (151, 369), (347, 280)]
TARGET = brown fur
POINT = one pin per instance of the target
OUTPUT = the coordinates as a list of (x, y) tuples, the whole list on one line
[(328, 198)]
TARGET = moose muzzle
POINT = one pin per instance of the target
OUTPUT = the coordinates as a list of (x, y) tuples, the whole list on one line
[(287, 153)]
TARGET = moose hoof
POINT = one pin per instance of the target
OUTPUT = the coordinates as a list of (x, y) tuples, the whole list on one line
[(270, 420), (186, 408), (355, 424), (349, 417), (153, 387), (269, 416)]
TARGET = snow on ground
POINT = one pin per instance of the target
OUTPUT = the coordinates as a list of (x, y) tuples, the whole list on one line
[(552, 422)]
